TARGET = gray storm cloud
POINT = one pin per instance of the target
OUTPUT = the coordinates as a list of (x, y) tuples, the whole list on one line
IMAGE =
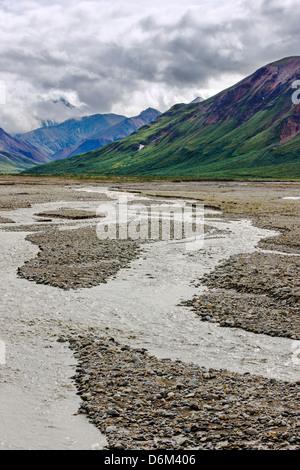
[(127, 56)]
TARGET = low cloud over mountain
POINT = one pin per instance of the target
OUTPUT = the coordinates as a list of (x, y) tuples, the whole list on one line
[(121, 57)]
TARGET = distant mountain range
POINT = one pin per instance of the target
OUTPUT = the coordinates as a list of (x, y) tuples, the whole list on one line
[(116, 132), (55, 141), (250, 130), (16, 155)]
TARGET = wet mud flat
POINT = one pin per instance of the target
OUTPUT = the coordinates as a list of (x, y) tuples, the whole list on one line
[(141, 402)]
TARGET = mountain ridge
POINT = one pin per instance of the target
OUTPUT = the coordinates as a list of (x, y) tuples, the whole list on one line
[(54, 140), (62, 140), (116, 132), (249, 130)]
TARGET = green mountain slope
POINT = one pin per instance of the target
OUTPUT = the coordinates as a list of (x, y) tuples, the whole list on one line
[(250, 130), (10, 164)]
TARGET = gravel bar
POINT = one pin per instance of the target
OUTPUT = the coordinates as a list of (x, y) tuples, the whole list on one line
[(140, 402)]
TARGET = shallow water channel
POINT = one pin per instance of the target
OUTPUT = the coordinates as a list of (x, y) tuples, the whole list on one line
[(140, 307)]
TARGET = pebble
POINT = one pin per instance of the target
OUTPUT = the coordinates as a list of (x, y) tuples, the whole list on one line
[(257, 292), (169, 404), (210, 409), (75, 259)]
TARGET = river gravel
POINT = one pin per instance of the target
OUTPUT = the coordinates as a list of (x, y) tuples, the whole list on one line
[(140, 307)]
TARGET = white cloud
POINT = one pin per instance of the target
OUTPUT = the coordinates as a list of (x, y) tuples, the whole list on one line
[(125, 56)]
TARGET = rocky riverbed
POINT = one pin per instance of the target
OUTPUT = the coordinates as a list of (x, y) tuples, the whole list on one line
[(138, 400), (76, 259), (258, 292), (141, 402)]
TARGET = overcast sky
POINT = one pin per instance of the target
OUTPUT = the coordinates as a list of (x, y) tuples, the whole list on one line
[(122, 57)]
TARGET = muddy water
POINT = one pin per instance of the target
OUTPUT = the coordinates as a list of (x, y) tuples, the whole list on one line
[(38, 402)]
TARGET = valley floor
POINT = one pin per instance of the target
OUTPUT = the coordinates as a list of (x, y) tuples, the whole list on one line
[(139, 400)]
